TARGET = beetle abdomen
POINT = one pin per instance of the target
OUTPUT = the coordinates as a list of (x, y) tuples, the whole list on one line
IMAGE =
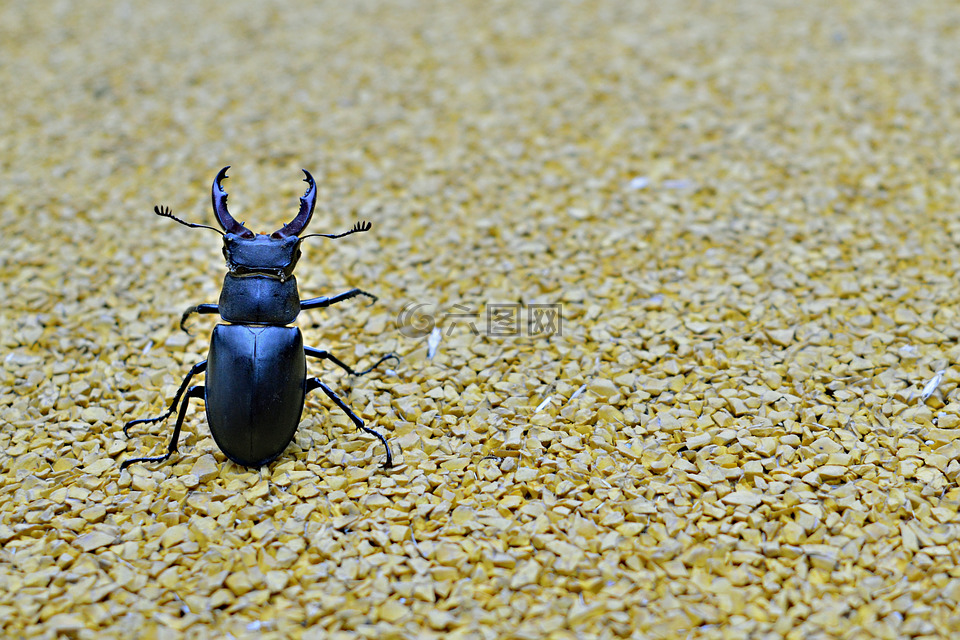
[(254, 390)]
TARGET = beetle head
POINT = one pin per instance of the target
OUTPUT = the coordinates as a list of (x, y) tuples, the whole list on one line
[(261, 255), (249, 253)]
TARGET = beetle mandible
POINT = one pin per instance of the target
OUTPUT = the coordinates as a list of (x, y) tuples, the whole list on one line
[(256, 372)]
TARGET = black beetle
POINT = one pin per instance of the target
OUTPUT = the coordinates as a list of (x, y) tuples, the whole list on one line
[(256, 371)]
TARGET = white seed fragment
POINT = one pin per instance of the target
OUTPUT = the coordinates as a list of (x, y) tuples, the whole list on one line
[(543, 405), (576, 393), (931, 387), (433, 342)]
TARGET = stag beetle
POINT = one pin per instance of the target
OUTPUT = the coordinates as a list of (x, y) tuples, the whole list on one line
[(256, 372)]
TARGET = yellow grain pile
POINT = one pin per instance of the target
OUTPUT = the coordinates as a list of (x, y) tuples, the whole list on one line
[(748, 426)]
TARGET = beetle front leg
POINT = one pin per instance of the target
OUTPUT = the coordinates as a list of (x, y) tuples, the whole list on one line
[(194, 392), (316, 383), (326, 355), (200, 367), (199, 308), (326, 301)]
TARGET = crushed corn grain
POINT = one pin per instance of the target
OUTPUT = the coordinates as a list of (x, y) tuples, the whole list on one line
[(747, 426)]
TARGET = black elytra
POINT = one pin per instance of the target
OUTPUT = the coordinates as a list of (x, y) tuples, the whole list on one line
[(256, 369)]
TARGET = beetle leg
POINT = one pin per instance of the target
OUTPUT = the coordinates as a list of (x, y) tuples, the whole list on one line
[(196, 391), (200, 367), (316, 383), (326, 301), (326, 355), (198, 308)]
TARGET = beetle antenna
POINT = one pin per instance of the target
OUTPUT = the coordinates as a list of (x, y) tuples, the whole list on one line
[(360, 227), (164, 212)]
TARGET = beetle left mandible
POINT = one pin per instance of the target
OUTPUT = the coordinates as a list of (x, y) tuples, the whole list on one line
[(256, 372)]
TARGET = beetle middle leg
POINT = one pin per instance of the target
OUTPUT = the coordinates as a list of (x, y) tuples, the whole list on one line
[(326, 355), (316, 383), (196, 391), (200, 367)]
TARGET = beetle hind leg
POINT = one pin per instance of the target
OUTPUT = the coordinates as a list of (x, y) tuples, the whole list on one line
[(200, 367), (326, 355), (316, 383), (193, 392), (389, 356)]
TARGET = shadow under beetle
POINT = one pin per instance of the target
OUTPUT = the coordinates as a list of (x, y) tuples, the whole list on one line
[(256, 371)]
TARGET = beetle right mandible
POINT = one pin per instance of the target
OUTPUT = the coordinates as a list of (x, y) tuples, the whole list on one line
[(256, 372)]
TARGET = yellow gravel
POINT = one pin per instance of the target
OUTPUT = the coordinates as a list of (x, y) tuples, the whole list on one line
[(749, 425)]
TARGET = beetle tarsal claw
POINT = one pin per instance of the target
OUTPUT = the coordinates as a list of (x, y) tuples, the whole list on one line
[(127, 463)]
